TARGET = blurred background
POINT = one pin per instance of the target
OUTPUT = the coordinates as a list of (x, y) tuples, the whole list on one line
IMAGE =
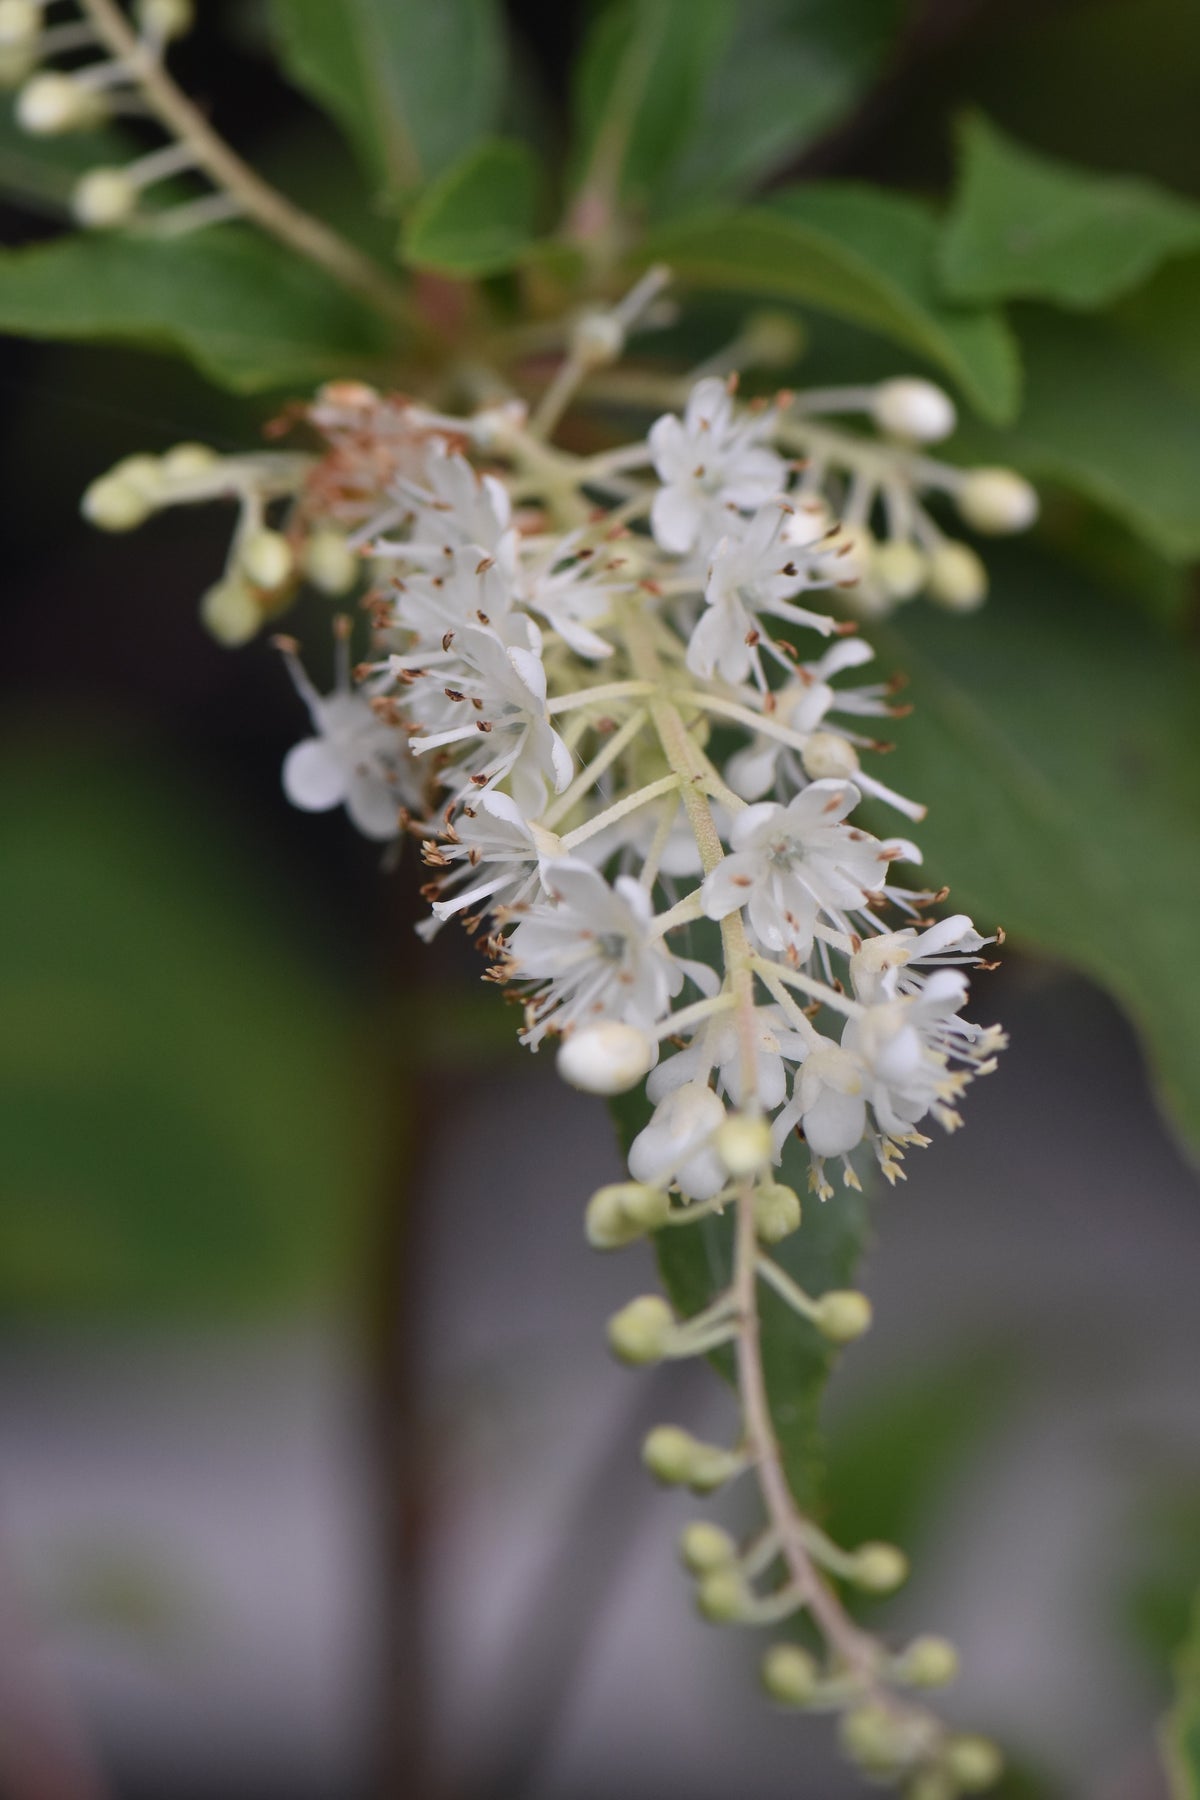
[(315, 1477)]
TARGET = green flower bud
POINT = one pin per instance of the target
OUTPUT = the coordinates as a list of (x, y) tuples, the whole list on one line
[(974, 1762), (874, 1739), (879, 1568), (957, 578), (928, 1662), (114, 504), (776, 1212), (639, 1332), (931, 1784), (624, 1212), (771, 340), (721, 1595), (900, 568), (842, 1315), (678, 1459), (789, 1674), (230, 613), (704, 1547)]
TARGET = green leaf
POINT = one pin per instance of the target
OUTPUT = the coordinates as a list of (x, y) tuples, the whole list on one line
[(1105, 420), (1056, 741), (412, 83), (185, 1122), (695, 1264), (863, 255), (1028, 226), (1181, 1729), (640, 78), (480, 215), (790, 72), (249, 315)]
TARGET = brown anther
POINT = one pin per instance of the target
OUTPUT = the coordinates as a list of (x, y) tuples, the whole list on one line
[(484, 725), (447, 639), (488, 562), (453, 694)]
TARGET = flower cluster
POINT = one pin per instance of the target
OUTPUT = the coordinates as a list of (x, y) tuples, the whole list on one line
[(622, 702)]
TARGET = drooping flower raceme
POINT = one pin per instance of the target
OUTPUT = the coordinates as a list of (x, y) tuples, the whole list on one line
[(621, 701)]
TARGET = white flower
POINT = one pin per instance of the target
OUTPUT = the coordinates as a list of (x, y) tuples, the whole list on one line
[(708, 461), (593, 952), (461, 588), (831, 1092), (494, 839), (507, 734), (753, 571), (454, 508), (354, 759), (890, 964), (567, 586), (717, 1045), (677, 1144), (791, 865), (906, 1047)]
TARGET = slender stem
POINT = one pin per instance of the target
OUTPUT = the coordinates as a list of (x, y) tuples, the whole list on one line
[(256, 198)]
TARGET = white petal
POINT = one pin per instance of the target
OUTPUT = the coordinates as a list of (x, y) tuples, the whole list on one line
[(835, 1123), (313, 778), (372, 806), (675, 518)]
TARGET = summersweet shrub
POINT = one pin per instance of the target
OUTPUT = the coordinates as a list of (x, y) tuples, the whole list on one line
[(600, 651)]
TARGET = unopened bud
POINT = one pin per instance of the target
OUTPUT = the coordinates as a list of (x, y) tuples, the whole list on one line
[(266, 559), (879, 1568), (104, 198), (676, 1458), (974, 1762), (997, 501), (900, 569), (623, 1212), (931, 1784), (188, 462), (842, 1315), (52, 103), (828, 757), (789, 1674), (230, 612), (776, 1212), (743, 1144), (911, 408), (606, 1058), (113, 503), (17, 63), (873, 1738), (704, 1547), (597, 338), (928, 1662), (957, 578), (165, 18), (20, 22), (639, 1332), (721, 1596), (329, 562), (771, 340)]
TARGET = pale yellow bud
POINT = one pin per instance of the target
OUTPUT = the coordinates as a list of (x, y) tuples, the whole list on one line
[(52, 103), (104, 198), (790, 1674), (112, 503), (842, 1315), (828, 757), (912, 408), (957, 578), (189, 462), (879, 1568), (928, 1662), (900, 569), (974, 1762), (997, 501), (230, 612), (165, 19), (721, 1596), (623, 1212), (640, 1331), (704, 1547), (266, 559), (743, 1144), (329, 562), (776, 1212), (20, 22)]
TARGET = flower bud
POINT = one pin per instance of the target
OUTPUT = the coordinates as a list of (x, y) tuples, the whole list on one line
[(931, 1784), (639, 1332), (52, 103), (879, 1568), (623, 1212), (597, 338), (329, 562), (842, 1315), (606, 1058), (909, 407), (677, 1459), (266, 559), (900, 569), (17, 63), (957, 578), (704, 1547), (188, 462), (974, 1762), (721, 1595), (928, 1662), (776, 1212), (771, 340), (874, 1738), (104, 198), (230, 612), (20, 22), (790, 1674), (997, 501), (113, 503), (743, 1144), (828, 757), (165, 19)]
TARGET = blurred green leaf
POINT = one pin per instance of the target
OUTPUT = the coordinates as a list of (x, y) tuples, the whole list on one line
[(248, 314), (184, 1120), (1056, 741), (478, 217), (695, 1263), (1181, 1728), (1156, 1601), (1104, 419), (411, 83), (639, 80), (864, 255), (790, 71), (1025, 226)]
